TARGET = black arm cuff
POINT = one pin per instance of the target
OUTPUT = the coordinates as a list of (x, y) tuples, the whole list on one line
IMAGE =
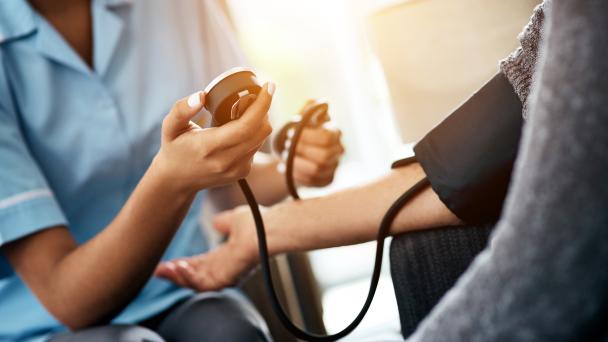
[(469, 157)]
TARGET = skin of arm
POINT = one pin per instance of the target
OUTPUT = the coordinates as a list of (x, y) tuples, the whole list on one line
[(347, 217), (353, 214), (83, 285)]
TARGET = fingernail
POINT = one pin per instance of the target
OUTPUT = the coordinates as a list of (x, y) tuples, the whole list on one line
[(271, 88), (194, 100), (281, 168), (183, 264)]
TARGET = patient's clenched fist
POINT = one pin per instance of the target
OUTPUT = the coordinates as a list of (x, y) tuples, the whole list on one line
[(317, 155)]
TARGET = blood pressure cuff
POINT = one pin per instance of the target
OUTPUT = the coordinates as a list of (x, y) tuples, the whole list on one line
[(469, 157)]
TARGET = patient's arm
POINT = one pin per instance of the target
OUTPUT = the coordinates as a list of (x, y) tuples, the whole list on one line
[(347, 217), (351, 216)]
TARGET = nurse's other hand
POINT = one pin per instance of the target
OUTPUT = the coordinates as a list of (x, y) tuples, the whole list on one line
[(317, 156), (223, 266), (194, 158)]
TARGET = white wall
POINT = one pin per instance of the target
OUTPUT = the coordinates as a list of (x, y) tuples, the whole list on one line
[(435, 53)]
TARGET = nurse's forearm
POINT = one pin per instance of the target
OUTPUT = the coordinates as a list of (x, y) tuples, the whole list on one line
[(353, 216), (89, 284)]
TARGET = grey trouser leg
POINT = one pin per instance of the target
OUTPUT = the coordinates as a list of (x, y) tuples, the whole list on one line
[(426, 264), (214, 317), (110, 333), (206, 317)]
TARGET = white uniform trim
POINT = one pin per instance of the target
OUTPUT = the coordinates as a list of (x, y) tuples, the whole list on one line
[(24, 197)]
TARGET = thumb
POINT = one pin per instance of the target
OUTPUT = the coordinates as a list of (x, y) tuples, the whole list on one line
[(222, 222), (178, 119)]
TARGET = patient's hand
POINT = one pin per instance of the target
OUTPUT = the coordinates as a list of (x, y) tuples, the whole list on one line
[(222, 266)]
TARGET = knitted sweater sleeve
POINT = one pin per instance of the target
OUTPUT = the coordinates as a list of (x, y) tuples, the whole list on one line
[(519, 66)]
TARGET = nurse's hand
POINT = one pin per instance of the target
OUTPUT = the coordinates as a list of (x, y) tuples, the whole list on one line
[(195, 158), (317, 156), (223, 266)]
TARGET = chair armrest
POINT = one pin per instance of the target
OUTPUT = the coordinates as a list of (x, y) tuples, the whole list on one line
[(426, 264)]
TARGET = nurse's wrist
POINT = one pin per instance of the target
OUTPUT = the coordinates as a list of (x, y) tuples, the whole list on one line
[(166, 179)]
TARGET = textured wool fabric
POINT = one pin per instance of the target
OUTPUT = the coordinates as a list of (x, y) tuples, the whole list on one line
[(544, 276), (426, 264), (519, 66)]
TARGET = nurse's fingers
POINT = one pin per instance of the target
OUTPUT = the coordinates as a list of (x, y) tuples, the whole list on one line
[(247, 149), (189, 275), (168, 270), (197, 273), (255, 117), (238, 145), (178, 119)]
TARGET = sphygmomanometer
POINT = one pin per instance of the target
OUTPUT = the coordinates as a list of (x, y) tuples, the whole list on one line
[(227, 97)]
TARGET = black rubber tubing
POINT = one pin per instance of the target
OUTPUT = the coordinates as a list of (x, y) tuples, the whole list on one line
[(383, 232)]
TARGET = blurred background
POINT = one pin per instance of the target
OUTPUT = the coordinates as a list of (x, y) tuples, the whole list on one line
[(390, 70)]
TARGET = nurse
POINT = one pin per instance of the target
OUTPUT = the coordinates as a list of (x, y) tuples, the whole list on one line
[(101, 169)]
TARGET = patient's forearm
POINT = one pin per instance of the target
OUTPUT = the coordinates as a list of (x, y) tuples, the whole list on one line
[(353, 216)]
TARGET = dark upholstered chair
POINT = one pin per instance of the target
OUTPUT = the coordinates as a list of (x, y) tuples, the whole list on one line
[(425, 265)]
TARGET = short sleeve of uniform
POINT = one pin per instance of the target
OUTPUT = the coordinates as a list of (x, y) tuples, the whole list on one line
[(27, 204)]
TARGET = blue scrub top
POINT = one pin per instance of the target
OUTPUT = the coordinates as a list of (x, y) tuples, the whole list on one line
[(75, 140)]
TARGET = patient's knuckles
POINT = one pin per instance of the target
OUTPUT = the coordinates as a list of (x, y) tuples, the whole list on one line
[(324, 180), (322, 177), (304, 178), (326, 137), (326, 156), (315, 168)]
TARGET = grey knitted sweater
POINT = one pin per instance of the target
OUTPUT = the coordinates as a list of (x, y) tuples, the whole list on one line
[(519, 66)]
